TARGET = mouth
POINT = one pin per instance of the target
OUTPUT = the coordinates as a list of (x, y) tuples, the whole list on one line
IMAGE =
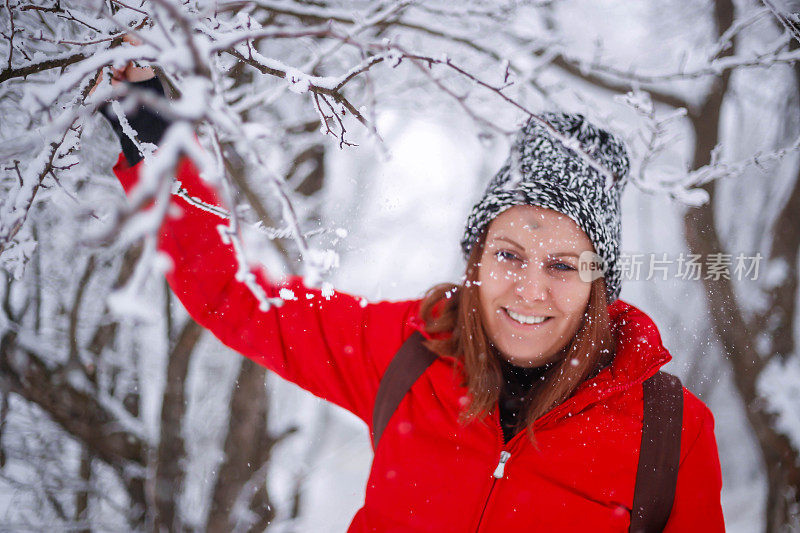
[(526, 320)]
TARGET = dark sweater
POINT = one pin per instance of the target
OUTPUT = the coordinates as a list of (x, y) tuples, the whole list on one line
[(517, 382)]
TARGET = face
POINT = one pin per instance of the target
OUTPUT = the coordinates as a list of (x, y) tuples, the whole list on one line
[(531, 296)]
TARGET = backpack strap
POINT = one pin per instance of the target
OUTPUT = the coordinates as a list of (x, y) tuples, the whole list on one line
[(659, 455), (408, 364)]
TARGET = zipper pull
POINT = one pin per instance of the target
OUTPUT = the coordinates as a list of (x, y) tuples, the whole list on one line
[(501, 466)]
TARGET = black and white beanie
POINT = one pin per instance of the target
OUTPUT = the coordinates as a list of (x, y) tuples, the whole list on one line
[(541, 171)]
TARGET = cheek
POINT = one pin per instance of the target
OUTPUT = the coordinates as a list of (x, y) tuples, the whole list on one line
[(489, 291), (494, 281), (573, 298), (485, 288)]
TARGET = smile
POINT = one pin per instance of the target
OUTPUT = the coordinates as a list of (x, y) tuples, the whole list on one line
[(524, 319)]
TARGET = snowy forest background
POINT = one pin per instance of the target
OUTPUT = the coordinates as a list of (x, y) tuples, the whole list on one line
[(354, 136)]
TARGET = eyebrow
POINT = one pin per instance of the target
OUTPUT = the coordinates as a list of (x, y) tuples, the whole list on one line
[(511, 242), (517, 245)]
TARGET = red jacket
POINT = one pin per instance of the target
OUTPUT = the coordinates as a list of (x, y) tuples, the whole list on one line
[(429, 473)]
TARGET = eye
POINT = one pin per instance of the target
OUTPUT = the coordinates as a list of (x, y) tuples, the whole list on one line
[(505, 255), (564, 267)]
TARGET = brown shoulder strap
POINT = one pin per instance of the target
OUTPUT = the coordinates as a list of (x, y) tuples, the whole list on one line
[(659, 454), (408, 364)]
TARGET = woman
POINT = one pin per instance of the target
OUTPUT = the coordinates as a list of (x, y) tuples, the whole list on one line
[(530, 416)]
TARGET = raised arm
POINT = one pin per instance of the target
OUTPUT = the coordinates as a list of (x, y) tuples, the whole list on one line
[(336, 346)]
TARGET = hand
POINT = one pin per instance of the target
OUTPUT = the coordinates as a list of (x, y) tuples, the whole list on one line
[(129, 73)]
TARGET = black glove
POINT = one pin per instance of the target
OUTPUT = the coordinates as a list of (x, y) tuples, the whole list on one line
[(148, 124)]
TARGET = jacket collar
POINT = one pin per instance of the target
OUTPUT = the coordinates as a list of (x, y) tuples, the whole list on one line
[(640, 354)]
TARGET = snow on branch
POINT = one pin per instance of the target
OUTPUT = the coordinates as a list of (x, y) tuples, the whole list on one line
[(656, 136), (324, 54), (55, 155), (775, 54), (718, 169), (396, 54), (654, 140)]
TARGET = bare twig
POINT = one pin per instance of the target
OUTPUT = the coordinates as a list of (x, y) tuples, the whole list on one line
[(717, 67), (128, 6), (566, 141), (40, 66), (74, 361), (11, 35), (90, 42)]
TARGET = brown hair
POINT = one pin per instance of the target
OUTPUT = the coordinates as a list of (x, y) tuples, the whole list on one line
[(453, 309)]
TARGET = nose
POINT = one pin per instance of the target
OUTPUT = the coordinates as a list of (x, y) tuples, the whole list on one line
[(531, 284)]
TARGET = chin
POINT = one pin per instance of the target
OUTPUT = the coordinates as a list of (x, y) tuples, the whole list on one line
[(525, 359), (523, 363), (529, 362)]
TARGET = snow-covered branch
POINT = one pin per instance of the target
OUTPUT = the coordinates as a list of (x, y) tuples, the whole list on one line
[(775, 54)]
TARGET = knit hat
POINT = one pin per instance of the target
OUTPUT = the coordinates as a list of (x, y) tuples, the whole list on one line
[(542, 171)]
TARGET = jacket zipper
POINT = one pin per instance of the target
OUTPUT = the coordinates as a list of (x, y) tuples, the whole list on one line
[(505, 455), (501, 466), (499, 470)]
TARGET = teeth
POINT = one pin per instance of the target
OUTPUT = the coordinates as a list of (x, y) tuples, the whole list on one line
[(522, 319)]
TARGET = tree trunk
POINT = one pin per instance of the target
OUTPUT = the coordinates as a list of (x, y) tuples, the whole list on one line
[(727, 316), (171, 454), (246, 445)]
